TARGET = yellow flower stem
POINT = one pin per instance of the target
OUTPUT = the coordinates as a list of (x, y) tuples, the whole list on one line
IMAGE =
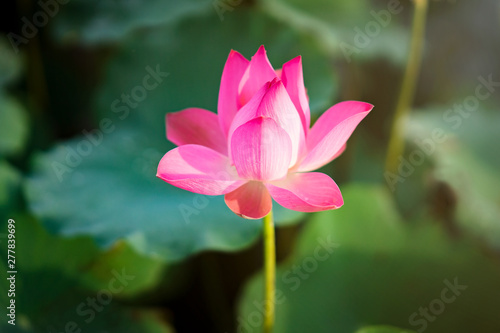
[(269, 271), (396, 141)]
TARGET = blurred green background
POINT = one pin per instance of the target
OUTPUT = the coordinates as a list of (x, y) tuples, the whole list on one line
[(102, 245)]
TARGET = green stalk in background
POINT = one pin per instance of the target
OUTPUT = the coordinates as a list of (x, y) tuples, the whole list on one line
[(396, 140)]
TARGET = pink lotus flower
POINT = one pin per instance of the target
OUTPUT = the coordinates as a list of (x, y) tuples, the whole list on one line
[(259, 145)]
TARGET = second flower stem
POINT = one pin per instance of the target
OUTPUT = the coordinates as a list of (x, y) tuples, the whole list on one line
[(269, 271), (396, 141)]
